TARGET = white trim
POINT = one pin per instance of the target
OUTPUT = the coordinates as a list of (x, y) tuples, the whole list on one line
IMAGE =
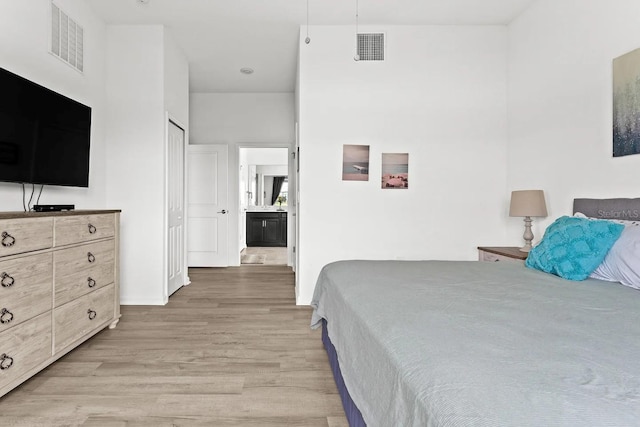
[(142, 301)]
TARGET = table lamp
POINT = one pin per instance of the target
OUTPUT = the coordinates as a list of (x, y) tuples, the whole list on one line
[(527, 203)]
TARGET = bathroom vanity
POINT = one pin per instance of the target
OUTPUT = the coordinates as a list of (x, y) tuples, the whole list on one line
[(268, 228)]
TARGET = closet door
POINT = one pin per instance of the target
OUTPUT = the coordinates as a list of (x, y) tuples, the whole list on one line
[(177, 276)]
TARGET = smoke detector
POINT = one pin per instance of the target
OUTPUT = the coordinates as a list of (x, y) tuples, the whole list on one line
[(143, 1), (246, 70)]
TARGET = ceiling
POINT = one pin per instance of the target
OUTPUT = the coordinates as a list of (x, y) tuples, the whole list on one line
[(219, 37)]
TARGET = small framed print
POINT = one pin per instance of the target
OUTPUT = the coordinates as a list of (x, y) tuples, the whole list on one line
[(395, 170), (355, 163)]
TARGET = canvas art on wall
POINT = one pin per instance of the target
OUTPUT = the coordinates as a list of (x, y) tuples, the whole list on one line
[(626, 104), (355, 163), (395, 170)]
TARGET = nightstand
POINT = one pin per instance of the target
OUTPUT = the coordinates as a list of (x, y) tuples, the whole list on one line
[(503, 253)]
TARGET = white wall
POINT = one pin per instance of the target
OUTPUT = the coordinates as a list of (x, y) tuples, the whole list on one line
[(176, 105), (273, 170), (176, 81), (240, 119), (560, 103), (146, 75), (219, 118), (266, 156), (441, 97), (136, 158), (24, 50)]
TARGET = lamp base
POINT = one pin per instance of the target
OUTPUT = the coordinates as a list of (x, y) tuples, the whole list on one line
[(528, 235)]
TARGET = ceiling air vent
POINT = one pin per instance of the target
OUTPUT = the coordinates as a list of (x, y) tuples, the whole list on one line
[(371, 46), (67, 38)]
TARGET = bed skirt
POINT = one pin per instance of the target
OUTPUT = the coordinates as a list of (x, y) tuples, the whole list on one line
[(350, 409)]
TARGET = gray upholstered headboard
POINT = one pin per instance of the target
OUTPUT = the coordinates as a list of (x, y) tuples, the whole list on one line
[(627, 209)]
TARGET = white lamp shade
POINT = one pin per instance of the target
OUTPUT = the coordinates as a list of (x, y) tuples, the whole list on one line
[(528, 203)]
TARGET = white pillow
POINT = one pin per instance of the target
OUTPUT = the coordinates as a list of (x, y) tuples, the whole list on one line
[(622, 263)]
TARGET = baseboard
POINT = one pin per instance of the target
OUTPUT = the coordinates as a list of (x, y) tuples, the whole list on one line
[(141, 301)]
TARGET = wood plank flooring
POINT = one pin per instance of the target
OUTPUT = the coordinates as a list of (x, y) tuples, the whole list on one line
[(231, 349)]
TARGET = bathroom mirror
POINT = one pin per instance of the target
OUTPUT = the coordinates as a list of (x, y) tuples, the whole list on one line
[(260, 168), (263, 180)]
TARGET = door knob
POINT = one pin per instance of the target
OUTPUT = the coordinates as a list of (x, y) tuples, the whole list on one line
[(223, 211)]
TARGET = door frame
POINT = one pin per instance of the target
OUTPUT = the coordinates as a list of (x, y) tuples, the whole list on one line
[(169, 118), (291, 218)]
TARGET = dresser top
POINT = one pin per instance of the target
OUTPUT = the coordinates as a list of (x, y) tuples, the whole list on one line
[(18, 214)]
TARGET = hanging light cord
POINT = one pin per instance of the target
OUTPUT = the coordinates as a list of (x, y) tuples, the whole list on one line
[(308, 39), (357, 55), (357, 17)]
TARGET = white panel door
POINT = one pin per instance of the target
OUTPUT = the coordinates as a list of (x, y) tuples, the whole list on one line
[(208, 226), (175, 201)]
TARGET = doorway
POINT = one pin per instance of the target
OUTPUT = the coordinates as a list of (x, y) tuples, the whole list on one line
[(265, 214)]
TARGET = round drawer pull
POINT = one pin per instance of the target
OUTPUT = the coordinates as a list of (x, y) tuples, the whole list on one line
[(91, 257), (7, 281), (92, 229), (92, 314), (5, 316), (7, 239), (91, 282), (5, 362)]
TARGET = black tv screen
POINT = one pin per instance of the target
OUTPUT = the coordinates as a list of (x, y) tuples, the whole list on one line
[(44, 136)]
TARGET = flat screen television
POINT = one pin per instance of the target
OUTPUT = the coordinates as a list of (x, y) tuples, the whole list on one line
[(44, 136)]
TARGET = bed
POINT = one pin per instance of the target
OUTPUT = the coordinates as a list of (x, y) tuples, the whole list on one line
[(465, 343)]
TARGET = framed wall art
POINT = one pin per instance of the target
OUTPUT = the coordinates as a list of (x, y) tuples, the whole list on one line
[(395, 170), (355, 163), (626, 104)]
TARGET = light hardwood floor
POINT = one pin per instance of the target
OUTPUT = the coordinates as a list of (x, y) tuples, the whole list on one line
[(231, 349)]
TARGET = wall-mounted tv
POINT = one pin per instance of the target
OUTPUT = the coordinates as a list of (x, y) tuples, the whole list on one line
[(44, 136)]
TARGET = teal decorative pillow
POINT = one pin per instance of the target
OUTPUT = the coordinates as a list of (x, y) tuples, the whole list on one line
[(573, 247)]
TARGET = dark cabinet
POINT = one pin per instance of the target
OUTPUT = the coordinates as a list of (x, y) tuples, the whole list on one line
[(266, 229)]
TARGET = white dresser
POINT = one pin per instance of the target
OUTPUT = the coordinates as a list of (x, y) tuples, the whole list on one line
[(58, 286)]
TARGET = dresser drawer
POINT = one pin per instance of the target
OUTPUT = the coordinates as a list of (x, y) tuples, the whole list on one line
[(24, 347), (83, 269), (83, 228), (488, 256), (25, 288), (25, 235), (82, 316)]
